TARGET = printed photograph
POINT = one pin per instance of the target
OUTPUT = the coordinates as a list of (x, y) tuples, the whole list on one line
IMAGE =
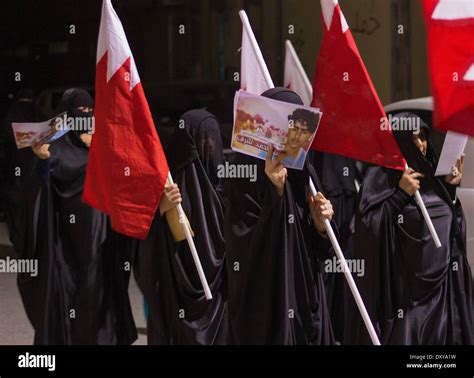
[(260, 122)]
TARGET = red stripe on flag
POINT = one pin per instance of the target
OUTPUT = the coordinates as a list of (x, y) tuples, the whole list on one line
[(352, 111), (127, 168)]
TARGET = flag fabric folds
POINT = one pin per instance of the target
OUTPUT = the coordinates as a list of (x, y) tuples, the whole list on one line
[(450, 34), (354, 123), (253, 78), (295, 77), (127, 168)]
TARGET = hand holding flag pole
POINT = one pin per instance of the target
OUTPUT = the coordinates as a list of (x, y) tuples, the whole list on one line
[(327, 224), (418, 198), (118, 86), (192, 247), (347, 274), (338, 51), (428, 220)]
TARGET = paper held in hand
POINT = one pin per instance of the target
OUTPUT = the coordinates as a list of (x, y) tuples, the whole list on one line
[(453, 147), (45, 132), (260, 122)]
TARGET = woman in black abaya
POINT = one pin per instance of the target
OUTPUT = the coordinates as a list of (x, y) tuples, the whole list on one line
[(16, 165), (274, 247), (164, 268), (415, 293), (80, 293)]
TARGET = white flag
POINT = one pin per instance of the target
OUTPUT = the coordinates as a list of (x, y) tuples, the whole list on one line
[(295, 75), (254, 75)]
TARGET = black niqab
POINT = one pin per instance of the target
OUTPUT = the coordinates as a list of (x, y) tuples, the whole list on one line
[(165, 270), (276, 292), (198, 136), (414, 292), (80, 260)]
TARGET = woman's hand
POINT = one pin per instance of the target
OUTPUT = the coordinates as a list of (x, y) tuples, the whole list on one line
[(321, 209), (455, 177), (275, 170), (171, 197), (41, 150), (409, 182), (86, 139)]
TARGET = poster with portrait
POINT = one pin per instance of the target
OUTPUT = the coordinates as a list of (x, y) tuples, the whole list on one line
[(260, 122)]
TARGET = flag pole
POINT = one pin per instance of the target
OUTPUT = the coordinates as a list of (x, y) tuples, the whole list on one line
[(327, 224), (348, 275), (255, 48), (299, 66), (418, 198), (427, 217), (192, 247)]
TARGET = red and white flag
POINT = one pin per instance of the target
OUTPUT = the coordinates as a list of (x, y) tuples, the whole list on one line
[(354, 123), (127, 168), (295, 77), (254, 74), (450, 33)]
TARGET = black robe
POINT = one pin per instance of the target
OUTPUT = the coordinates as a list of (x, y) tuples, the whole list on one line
[(338, 175), (274, 253), (16, 166), (178, 310), (415, 293), (80, 293)]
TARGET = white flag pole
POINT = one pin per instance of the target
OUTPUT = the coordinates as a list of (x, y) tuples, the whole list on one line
[(428, 220), (348, 275), (418, 198), (192, 247), (299, 66), (327, 224), (255, 48)]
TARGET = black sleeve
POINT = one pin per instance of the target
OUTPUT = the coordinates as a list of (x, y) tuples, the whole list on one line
[(43, 168), (396, 202), (451, 189), (322, 244)]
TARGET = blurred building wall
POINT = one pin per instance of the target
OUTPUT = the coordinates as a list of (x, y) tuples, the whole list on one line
[(374, 30), (37, 41)]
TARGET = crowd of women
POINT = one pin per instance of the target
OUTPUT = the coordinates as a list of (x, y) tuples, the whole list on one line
[(262, 245)]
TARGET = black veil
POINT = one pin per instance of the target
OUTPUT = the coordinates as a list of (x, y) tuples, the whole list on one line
[(164, 268)]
